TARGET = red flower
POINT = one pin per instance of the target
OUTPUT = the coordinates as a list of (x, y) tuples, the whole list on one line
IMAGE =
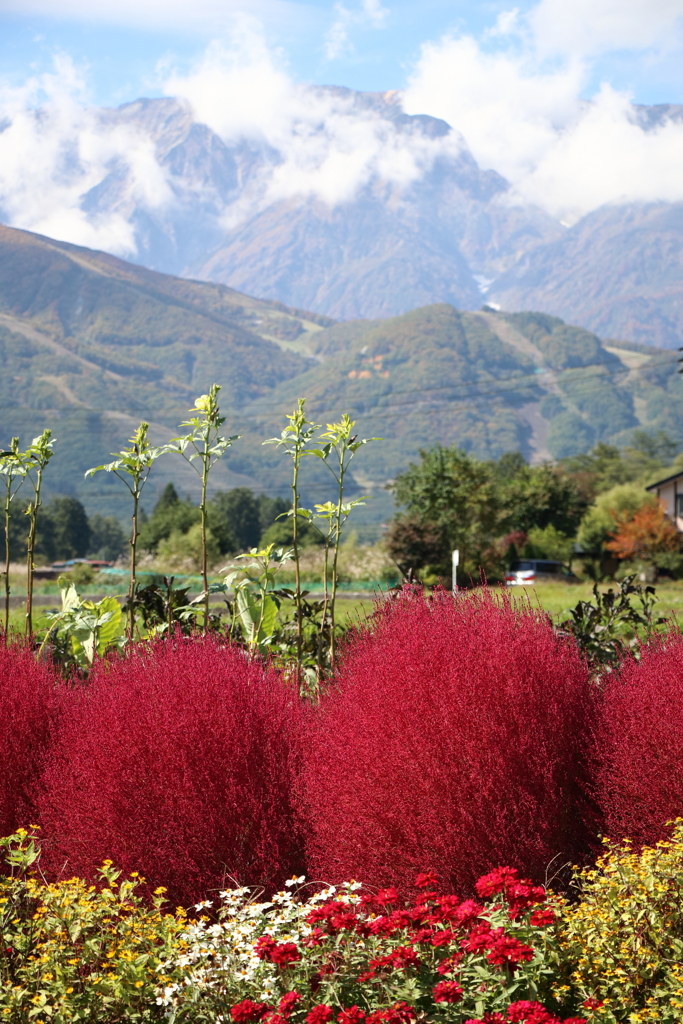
[(400, 1013), (248, 1011), (592, 1003), (264, 944), (284, 954), (542, 918), (506, 950), (480, 938), (526, 1012), (353, 1015), (496, 881), (449, 964), (389, 895), (320, 1014), (447, 992), (522, 895), (382, 926), (426, 879), (399, 959), (467, 912), (288, 1002), (442, 937), (488, 1018), (316, 938)]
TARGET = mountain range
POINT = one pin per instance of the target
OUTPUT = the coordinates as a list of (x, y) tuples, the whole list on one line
[(91, 344), (421, 224)]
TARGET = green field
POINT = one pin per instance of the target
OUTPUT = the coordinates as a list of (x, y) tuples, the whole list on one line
[(554, 598)]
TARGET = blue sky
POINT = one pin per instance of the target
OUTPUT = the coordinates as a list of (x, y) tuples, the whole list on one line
[(122, 47)]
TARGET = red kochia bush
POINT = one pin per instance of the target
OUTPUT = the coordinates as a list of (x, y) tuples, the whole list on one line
[(177, 761), (456, 739), (28, 708), (641, 743)]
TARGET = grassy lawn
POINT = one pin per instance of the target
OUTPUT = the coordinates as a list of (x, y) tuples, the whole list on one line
[(558, 598)]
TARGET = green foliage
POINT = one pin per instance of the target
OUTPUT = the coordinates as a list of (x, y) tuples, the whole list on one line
[(69, 529), (107, 539), (621, 943), (540, 496), (37, 457), (282, 534), (255, 606), (202, 447), (453, 501), (84, 629), (548, 542), (270, 510), (13, 470), (184, 551), (605, 465), (132, 466), (170, 515), (236, 514), (611, 626), (456, 497), (569, 433), (602, 518), (75, 952)]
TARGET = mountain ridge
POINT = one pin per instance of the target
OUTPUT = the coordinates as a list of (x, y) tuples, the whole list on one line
[(91, 344), (420, 223)]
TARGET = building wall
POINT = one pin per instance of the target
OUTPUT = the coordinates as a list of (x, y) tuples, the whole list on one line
[(668, 493)]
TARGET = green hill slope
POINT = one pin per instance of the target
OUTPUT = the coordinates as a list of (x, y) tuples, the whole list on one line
[(90, 344)]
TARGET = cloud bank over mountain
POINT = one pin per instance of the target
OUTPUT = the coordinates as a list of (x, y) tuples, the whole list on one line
[(503, 168), (521, 104), (517, 96)]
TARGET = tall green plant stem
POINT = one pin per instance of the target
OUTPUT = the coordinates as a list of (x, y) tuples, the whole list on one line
[(38, 455), (207, 446), (12, 469), (132, 466), (337, 453), (295, 439)]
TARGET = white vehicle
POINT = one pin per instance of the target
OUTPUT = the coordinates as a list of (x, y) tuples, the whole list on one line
[(528, 570)]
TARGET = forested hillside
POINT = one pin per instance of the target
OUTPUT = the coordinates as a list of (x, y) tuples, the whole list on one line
[(89, 345)]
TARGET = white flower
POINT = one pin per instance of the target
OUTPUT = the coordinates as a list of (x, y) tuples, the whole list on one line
[(296, 881), (204, 903)]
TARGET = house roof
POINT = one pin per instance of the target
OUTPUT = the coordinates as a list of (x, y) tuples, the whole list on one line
[(666, 480)]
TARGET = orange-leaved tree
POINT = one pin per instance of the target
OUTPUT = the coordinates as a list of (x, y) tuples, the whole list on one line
[(647, 533)]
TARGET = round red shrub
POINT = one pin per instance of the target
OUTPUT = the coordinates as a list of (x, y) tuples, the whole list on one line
[(455, 740), (28, 707), (641, 743), (178, 762)]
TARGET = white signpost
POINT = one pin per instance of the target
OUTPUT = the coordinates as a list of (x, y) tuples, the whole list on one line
[(456, 562)]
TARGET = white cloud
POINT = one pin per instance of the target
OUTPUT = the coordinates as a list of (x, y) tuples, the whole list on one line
[(517, 97), (320, 142), (588, 27), (525, 116), (51, 156), (369, 13)]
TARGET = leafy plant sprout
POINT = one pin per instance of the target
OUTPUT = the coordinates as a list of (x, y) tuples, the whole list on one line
[(257, 612), (337, 452), (295, 439), (13, 471), (206, 445), (37, 456), (133, 466)]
